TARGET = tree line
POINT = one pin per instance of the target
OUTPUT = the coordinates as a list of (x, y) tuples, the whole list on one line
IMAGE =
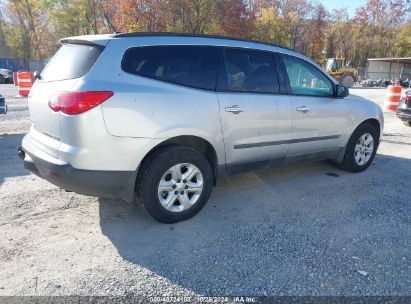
[(30, 29)]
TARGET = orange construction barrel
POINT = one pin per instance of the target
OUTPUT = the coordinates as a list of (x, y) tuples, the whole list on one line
[(24, 80), (392, 97)]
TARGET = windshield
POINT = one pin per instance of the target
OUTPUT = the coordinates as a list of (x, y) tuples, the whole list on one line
[(71, 61), (330, 64), (334, 64)]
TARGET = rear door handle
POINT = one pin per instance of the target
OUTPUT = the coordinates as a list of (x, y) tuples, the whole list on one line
[(235, 109), (303, 109)]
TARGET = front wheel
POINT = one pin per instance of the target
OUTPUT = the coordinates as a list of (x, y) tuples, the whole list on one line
[(361, 148), (174, 184), (407, 123)]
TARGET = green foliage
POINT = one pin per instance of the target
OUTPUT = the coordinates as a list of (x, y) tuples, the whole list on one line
[(402, 43), (67, 17), (271, 27), (26, 30)]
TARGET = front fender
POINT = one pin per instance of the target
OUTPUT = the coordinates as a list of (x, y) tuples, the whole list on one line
[(360, 110)]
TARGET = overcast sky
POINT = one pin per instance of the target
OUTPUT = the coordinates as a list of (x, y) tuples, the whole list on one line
[(336, 4)]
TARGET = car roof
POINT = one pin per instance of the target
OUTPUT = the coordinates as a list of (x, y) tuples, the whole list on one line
[(103, 39)]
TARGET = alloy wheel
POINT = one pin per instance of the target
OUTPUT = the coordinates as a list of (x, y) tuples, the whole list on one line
[(180, 187), (364, 149)]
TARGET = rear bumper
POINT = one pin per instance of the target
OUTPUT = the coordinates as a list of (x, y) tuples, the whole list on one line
[(404, 114), (110, 184)]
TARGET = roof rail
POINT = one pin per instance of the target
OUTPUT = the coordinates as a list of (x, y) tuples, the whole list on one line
[(170, 34)]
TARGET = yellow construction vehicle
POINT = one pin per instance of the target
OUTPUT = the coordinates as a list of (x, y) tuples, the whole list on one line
[(342, 71)]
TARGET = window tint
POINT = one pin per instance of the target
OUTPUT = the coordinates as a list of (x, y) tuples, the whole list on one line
[(71, 61), (249, 71), (305, 79), (194, 66)]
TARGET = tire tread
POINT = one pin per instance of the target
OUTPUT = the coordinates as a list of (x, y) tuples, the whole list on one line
[(348, 163), (150, 163)]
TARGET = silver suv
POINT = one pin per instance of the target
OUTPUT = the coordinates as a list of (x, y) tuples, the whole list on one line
[(158, 118)]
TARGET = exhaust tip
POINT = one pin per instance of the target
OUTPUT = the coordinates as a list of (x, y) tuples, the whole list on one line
[(21, 153)]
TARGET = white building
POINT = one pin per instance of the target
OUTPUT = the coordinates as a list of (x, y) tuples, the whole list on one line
[(388, 68)]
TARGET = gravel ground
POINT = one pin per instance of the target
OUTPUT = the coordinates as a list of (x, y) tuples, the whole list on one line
[(17, 119), (304, 229)]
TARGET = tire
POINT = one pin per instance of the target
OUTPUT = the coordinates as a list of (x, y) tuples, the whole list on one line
[(2, 79), (350, 163), (158, 167), (407, 123), (347, 81)]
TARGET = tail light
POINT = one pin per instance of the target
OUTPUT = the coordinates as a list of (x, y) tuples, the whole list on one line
[(72, 103)]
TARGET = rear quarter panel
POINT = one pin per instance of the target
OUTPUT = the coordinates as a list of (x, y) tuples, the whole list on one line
[(146, 108)]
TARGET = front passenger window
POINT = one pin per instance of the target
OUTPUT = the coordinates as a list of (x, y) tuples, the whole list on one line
[(305, 79)]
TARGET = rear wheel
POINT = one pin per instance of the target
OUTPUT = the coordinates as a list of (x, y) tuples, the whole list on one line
[(174, 184), (361, 149)]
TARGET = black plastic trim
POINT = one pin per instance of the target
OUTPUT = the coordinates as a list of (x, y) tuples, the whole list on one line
[(255, 165), (281, 78), (236, 168), (109, 184), (3, 105), (404, 114), (283, 142)]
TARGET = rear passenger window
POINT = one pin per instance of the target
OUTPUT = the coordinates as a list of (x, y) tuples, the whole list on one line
[(305, 79), (193, 66), (249, 71)]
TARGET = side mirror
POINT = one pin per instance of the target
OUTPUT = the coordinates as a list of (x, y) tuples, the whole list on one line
[(36, 75), (342, 91)]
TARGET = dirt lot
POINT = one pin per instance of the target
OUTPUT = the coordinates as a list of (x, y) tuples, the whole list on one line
[(305, 229)]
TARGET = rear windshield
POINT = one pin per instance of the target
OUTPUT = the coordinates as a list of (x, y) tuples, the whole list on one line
[(71, 61)]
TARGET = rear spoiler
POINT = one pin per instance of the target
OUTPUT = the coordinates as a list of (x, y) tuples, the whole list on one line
[(92, 40), (79, 41)]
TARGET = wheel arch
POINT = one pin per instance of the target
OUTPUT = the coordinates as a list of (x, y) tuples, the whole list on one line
[(198, 143), (372, 121)]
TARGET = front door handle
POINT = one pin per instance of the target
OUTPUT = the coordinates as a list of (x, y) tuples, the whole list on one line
[(303, 109), (235, 109)]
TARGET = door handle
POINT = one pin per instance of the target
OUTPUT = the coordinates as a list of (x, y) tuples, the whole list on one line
[(235, 109), (303, 109)]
